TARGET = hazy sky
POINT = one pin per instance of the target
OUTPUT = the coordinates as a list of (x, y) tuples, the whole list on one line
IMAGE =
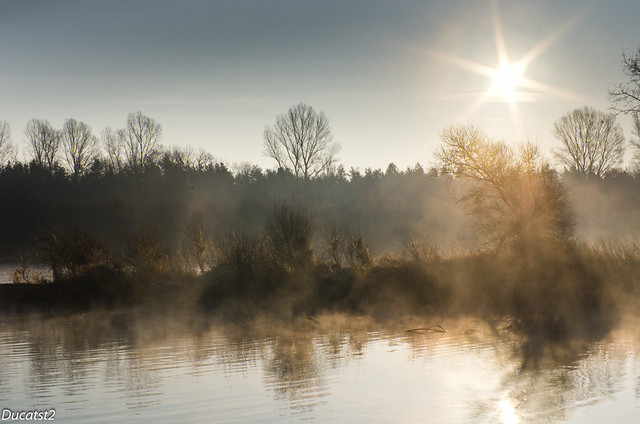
[(389, 74)]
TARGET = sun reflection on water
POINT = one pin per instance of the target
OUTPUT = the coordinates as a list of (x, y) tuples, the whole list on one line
[(507, 412)]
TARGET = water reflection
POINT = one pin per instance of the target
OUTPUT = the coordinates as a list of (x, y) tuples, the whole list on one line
[(113, 365)]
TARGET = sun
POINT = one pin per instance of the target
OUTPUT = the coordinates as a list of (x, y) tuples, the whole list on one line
[(506, 80)]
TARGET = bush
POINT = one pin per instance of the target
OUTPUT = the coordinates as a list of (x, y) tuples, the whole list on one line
[(289, 235), (145, 253), (358, 253), (244, 254), (71, 252)]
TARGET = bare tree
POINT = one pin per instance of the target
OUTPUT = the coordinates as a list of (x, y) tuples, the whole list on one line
[(513, 195), (7, 150), (592, 141), (141, 141), (79, 145), (43, 142), (301, 142), (635, 145), (113, 145), (626, 96)]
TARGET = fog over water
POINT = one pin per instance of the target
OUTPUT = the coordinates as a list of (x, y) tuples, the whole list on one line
[(244, 211), (119, 367)]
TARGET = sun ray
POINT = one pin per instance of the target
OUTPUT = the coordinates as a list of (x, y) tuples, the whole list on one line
[(498, 35), (545, 43), (475, 105), (542, 88), (463, 63), (509, 84)]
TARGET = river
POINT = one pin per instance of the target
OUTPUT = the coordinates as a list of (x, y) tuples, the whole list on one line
[(127, 367)]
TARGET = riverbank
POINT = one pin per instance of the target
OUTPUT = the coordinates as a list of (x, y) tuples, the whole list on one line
[(558, 293)]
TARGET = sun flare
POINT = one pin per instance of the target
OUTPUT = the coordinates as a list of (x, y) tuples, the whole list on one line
[(506, 80)]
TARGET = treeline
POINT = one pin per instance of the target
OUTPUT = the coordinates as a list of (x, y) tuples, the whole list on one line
[(180, 235), (388, 207)]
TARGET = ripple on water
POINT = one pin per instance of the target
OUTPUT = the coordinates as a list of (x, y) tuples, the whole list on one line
[(328, 377)]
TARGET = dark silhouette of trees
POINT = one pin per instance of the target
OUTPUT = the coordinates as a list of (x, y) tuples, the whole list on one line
[(140, 141), (79, 145), (513, 195), (7, 150), (592, 141), (43, 142), (301, 142), (135, 147), (113, 146), (626, 96)]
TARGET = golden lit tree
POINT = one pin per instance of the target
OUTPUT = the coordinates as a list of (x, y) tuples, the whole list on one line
[(512, 194)]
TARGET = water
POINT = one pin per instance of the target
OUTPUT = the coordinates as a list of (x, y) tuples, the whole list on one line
[(7, 272), (106, 368)]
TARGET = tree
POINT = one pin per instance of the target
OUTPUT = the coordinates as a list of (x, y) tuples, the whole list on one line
[(7, 150), (43, 142), (592, 141), (626, 96), (635, 145), (79, 145), (113, 145), (301, 142), (512, 194), (141, 141)]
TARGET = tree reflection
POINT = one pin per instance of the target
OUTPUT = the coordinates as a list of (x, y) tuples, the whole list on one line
[(302, 365), (552, 391)]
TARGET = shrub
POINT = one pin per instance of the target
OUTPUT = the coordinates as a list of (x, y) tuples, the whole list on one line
[(334, 251), (197, 245), (71, 252), (358, 253), (289, 234), (243, 253), (145, 253)]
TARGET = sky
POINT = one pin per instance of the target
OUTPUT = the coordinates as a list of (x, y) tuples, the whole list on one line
[(389, 74)]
